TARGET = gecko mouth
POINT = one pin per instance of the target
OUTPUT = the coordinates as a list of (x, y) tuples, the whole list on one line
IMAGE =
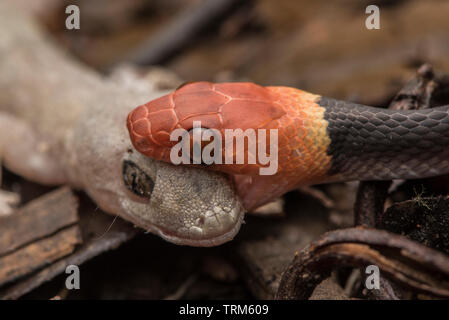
[(185, 236), (216, 240)]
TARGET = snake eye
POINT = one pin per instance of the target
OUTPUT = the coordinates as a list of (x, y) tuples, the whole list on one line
[(136, 180)]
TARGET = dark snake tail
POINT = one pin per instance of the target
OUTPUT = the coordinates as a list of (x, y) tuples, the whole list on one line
[(380, 144)]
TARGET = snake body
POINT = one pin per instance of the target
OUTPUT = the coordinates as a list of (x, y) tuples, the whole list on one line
[(319, 139)]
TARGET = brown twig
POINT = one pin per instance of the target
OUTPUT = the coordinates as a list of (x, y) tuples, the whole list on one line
[(369, 203), (411, 264)]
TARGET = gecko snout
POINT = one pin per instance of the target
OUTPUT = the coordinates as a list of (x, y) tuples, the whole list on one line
[(187, 206)]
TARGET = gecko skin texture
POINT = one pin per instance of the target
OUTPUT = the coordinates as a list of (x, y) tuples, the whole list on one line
[(320, 139)]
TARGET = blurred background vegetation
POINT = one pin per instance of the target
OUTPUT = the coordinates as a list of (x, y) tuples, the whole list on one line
[(320, 46)]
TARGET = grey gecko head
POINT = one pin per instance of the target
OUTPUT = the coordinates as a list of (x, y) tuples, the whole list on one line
[(187, 206)]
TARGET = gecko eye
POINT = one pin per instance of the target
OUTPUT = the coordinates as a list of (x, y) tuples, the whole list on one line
[(136, 180)]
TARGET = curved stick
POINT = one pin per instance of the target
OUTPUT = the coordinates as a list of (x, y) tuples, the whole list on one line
[(398, 258)]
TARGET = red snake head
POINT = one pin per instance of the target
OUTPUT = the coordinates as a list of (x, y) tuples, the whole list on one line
[(216, 106), (300, 145)]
